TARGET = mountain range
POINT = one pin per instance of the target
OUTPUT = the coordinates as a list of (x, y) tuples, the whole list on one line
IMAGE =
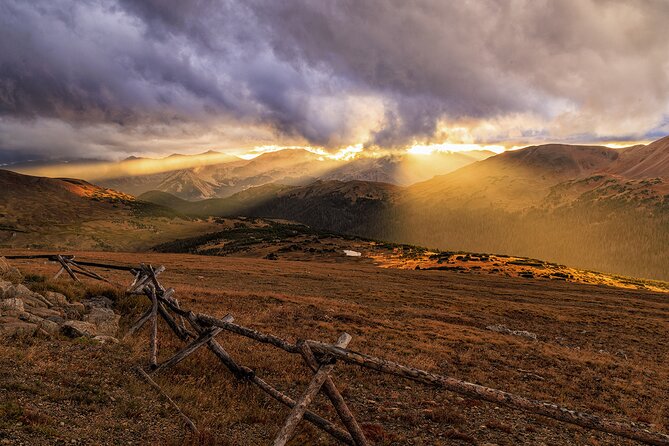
[(588, 206), (294, 167)]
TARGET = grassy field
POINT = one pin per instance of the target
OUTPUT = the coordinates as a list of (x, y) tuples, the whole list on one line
[(598, 349)]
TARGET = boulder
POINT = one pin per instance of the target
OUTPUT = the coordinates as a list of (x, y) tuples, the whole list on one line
[(97, 302), (104, 320), (28, 317), (21, 290), (56, 299), (75, 310), (106, 339), (12, 304), (12, 326), (76, 329), (57, 319), (49, 326), (33, 300), (45, 312), (6, 289)]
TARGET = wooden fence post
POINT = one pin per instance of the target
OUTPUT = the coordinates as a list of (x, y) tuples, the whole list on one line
[(154, 330), (307, 397), (67, 268), (335, 397)]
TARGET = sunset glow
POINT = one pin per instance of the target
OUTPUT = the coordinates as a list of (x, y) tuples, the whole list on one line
[(422, 149)]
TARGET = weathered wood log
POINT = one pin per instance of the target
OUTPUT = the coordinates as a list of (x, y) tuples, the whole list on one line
[(145, 279), (189, 315), (137, 275), (106, 265), (495, 396), (93, 274), (345, 414), (60, 271), (83, 273), (210, 321), (53, 257), (226, 359), (203, 339), (212, 344), (469, 389), (140, 322), (154, 331), (152, 274), (182, 333), (67, 268), (182, 323), (167, 294), (78, 270), (295, 416), (180, 327), (155, 385), (310, 416)]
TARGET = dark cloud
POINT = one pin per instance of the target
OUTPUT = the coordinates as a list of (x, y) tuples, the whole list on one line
[(112, 76)]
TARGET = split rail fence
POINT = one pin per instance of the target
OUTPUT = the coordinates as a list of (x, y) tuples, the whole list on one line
[(199, 330)]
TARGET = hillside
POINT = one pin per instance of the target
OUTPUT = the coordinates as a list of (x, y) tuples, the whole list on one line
[(512, 180), (42, 212), (294, 167), (27, 202), (566, 204), (644, 161), (593, 348), (350, 207)]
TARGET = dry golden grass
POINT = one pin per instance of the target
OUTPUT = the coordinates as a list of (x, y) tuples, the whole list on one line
[(599, 349)]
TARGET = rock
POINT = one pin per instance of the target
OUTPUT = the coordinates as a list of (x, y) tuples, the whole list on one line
[(45, 312), (74, 310), (56, 299), (27, 317), (33, 300), (104, 319), (97, 302), (6, 289), (11, 326), (49, 326), (106, 339), (76, 329), (21, 290), (12, 304), (57, 319)]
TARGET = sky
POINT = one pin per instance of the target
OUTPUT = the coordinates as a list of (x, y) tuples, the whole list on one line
[(109, 79)]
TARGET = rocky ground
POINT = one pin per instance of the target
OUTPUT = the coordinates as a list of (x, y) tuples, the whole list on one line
[(23, 311)]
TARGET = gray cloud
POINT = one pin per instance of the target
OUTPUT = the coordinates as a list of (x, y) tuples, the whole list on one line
[(115, 75)]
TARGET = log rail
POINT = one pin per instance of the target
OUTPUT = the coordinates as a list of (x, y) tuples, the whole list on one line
[(320, 358)]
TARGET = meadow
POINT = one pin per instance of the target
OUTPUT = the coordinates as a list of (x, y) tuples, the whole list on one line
[(598, 349)]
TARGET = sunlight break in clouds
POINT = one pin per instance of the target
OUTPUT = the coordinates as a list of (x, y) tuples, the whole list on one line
[(109, 79), (421, 149)]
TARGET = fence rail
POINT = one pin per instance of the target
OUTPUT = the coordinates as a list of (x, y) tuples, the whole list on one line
[(319, 357)]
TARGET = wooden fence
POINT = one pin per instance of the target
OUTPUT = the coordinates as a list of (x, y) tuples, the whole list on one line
[(200, 330)]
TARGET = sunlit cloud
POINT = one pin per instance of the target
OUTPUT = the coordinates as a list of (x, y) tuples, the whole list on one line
[(106, 80), (422, 149)]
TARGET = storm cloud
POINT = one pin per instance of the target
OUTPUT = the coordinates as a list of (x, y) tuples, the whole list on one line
[(109, 78)]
